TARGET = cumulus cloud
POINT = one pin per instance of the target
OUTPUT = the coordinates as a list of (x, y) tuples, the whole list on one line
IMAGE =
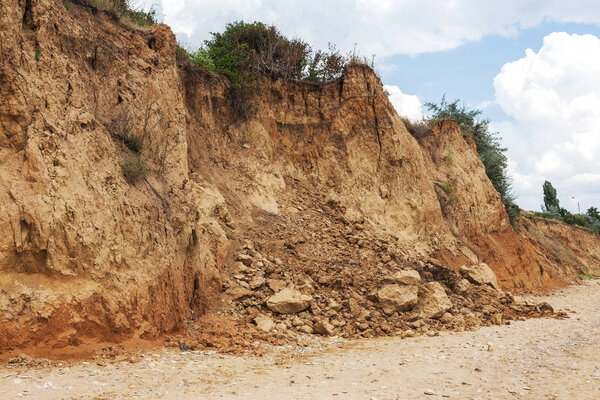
[(381, 27), (406, 105), (554, 97)]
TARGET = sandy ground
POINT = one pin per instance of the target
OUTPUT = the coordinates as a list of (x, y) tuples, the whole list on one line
[(534, 359)]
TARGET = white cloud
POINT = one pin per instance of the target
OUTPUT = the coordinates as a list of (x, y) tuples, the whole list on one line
[(554, 97), (406, 105), (381, 27)]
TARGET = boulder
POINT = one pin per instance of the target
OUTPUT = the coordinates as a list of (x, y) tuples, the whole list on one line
[(264, 323), (394, 298), (289, 301), (433, 301), (480, 274), (407, 277)]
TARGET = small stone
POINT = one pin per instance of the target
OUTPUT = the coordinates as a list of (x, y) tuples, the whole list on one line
[(281, 327), (447, 318), (363, 326), (240, 267), (354, 307), (306, 329), (257, 282), (244, 284), (497, 319), (276, 285), (264, 323), (245, 259), (545, 308), (332, 304), (183, 346), (462, 286), (239, 293), (297, 321), (408, 333), (323, 327), (429, 392), (407, 277)]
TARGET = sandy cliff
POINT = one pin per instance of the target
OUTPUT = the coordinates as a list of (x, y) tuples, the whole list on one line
[(323, 184)]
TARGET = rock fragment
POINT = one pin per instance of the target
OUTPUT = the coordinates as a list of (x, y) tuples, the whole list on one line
[(245, 259), (276, 285), (323, 327), (407, 277), (264, 323), (239, 293), (480, 274), (289, 301), (433, 301), (394, 298)]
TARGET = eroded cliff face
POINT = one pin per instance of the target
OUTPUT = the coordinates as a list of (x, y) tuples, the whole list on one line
[(571, 250), (82, 252), (324, 179)]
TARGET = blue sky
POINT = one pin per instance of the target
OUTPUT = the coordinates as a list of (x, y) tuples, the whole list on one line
[(538, 86), (467, 72)]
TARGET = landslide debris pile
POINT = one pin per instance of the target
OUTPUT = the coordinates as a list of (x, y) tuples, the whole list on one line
[(312, 271)]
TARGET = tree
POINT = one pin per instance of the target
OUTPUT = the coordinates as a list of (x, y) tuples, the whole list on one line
[(593, 212), (551, 203)]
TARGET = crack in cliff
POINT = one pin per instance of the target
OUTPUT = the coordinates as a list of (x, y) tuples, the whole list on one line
[(373, 96), (377, 131)]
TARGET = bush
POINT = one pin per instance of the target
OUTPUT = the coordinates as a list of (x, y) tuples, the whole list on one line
[(133, 168), (126, 10), (489, 148), (201, 58), (448, 195), (243, 51), (181, 54), (419, 129), (133, 142)]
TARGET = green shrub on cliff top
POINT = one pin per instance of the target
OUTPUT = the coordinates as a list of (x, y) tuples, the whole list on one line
[(125, 9), (244, 50)]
